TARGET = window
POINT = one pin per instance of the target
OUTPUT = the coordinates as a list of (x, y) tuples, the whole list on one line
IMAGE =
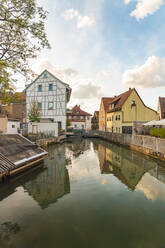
[(119, 129), (87, 117), (50, 87), (75, 117), (45, 75), (40, 88), (116, 129), (75, 125), (40, 105), (81, 117), (83, 126), (50, 105), (70, 117), (119, 117), (112, 118), (116, 117), (13, 126)]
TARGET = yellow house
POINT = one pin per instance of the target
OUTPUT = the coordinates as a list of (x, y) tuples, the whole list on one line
[(125, 110), (104, 106)]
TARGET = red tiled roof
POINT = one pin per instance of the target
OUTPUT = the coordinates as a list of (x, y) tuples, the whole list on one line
[(162, 104), (76, 110), (106, 101), (119, 100)]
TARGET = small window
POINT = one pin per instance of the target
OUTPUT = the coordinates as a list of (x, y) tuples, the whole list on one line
[(45, 75), (81, 117), (119, 117), (13, 126), (87, 117), (50, 87), (112, 118), (83, 126), (70, 117), (75, 125), (75, 117), (50, 105), (40, 88), (40, 105), (116, 118)]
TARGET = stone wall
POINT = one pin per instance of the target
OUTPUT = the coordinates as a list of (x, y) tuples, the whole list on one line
[(49, 141), (152, 146)]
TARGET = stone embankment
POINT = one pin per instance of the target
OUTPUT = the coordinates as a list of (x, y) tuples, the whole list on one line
[(49, 141), (152, 146)]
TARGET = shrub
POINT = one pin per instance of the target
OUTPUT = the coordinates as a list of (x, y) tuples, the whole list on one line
[(158, 132)]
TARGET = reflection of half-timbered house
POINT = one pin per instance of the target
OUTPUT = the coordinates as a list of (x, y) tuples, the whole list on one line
[(52, 96)]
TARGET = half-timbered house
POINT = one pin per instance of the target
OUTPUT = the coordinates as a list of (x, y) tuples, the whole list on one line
[(52, 96)]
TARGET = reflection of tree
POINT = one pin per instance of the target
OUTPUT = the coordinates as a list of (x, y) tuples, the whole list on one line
[(8, 229), (78, 146), (53, 182), (127, 166)]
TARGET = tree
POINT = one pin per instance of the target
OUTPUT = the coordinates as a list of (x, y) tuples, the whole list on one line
[(22, 36), (68, 123), (34, 112)]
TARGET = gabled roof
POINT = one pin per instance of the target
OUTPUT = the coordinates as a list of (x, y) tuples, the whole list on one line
[(76, 110), (162, 104), (67, 85), (106, 101), (120, 100)]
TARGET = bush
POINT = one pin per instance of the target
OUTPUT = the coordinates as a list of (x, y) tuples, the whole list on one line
[(158, 132)]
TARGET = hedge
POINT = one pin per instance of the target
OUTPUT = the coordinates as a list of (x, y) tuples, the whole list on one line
[(158, 132)]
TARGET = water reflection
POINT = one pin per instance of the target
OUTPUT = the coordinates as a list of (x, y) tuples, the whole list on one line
[(53, 183), (7, 230), (129, 167)]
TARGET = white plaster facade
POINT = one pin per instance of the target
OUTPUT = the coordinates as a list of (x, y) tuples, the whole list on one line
[(83, 124), (52, 95), (13, 127), (37, 127)]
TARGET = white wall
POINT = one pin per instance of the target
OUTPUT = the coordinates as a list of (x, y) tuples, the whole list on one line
[(13, 127), (87, 124), (78, 125), (36, 127)]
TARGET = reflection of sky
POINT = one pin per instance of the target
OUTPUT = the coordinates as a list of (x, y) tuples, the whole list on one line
[(152, 188), (98, 209)]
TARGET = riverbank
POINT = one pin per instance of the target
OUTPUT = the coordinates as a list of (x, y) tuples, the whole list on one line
[(152, 146)]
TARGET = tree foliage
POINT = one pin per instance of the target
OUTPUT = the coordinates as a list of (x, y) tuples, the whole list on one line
[(22, 36), (35, 113)]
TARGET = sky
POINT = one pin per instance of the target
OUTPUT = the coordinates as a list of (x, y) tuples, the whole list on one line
[(103, 47)]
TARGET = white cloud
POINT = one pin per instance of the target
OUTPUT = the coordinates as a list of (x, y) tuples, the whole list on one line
[(145, 8), (87, 91), (85, 21), (69, 14), (62, 73), (127, 1), (149, 75), (82, 21)]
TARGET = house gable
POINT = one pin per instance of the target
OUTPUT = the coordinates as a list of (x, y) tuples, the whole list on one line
[(134, 109)]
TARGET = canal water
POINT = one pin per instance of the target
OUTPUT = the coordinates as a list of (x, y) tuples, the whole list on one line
[(88, 193)]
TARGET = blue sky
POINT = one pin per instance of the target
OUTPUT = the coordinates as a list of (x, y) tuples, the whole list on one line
[(103, 47)]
